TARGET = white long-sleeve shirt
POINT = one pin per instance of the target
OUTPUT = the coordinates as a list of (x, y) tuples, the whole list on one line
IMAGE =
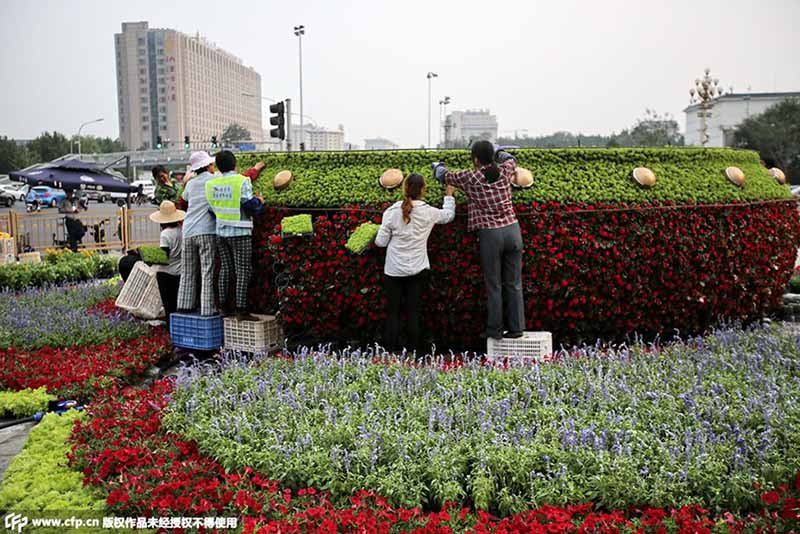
[(407, 254)]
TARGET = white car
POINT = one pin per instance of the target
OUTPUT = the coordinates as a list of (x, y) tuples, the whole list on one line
[(17, 192), (148, 193)]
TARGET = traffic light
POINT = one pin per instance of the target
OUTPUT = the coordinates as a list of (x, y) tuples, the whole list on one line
[(186, 143), (278, 120), (214, 142), (159, 144)]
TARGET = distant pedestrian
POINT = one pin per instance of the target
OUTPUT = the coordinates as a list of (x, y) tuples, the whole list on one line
[(491, 213)]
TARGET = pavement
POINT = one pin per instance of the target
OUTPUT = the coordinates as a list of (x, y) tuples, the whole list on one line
[(12, 440)]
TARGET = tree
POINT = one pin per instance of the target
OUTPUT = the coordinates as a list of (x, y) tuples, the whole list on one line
[(98, 145), (775, 134), (12, 156), (48, 147), (234, 132)]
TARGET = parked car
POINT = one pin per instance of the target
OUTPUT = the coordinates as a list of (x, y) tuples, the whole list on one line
[(6, 199), (18, 191), (46, 196)]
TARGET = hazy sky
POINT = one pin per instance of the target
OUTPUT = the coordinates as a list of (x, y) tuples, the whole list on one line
[(580, 65)]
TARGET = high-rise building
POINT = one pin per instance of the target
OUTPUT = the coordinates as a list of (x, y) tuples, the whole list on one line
[(465, 126), (379, 143), (317, 138), (172, 85), (728, 112)]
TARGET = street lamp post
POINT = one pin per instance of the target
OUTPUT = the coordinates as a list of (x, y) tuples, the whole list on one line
[(703, 93), (445, 122), (79, 133), (299, 31), (431, 75)]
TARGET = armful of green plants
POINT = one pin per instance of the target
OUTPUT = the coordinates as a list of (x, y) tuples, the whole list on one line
[(154, 255), (297, 225), (363, 236)]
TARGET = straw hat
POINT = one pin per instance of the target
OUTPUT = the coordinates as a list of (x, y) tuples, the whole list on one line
[(167, 213), (778, 175), (391, 178), (644, 176), (522, 178), (282, 179), (735, 175)]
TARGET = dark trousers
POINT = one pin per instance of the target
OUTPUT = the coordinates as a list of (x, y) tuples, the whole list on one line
[(236, 257), (406, 289), (501, 258), (168, 285)]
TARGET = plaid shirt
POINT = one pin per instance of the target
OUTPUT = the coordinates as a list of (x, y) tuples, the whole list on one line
[(489, 204)]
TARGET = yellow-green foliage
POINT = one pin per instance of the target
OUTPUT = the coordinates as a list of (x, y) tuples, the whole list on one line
[(39, 480), (564, 175), (362, 237), (297, 225), (24, 403)]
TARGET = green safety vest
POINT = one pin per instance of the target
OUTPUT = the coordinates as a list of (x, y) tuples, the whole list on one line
[(224, 196)]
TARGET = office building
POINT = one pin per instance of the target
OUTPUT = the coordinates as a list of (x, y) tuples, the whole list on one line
[(464, 126), (728, 112), (317, 138), (172, 85)]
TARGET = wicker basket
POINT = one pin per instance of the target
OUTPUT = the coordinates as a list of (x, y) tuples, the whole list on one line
[(253, 336), (140, 294), (531, 346), (30, 257)]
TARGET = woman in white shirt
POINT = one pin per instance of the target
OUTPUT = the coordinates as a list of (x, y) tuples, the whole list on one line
[(405, 229)]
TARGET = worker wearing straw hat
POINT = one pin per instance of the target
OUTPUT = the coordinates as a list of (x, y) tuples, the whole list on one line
[(171, 241)]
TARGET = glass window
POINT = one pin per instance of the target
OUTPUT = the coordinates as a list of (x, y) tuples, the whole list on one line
[(140, 40), (145, 128), (142, 71), (141, 61), (163, 127)]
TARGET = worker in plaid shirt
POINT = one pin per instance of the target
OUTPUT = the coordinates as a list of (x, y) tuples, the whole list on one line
[(491, 213)]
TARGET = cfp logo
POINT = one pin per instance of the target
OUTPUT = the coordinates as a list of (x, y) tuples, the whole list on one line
[(16, 522)]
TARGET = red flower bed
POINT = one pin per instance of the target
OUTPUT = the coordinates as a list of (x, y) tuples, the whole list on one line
[(588, 271), (76, 372), (146, 471)]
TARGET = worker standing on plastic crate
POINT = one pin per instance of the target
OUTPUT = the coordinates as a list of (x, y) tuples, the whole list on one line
[(231, 198), (491, 213)]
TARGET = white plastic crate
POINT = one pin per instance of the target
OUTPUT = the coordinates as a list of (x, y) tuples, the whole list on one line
[(139, 294), (531, 346), (253, 336)]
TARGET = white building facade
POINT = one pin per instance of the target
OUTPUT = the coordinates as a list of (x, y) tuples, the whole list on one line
[(172, 85), (379, 143), (316, 138), (728, 112), (463, 126)]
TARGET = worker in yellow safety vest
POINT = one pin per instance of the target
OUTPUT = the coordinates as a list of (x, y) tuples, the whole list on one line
[(231, 198)]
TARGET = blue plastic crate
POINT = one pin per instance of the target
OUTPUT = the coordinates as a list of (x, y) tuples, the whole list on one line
[(194, 331)]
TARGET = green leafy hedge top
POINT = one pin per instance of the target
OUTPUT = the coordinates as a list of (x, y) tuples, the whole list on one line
[(695, 175)]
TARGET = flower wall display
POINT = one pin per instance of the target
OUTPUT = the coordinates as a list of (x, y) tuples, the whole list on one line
[(604, 257)]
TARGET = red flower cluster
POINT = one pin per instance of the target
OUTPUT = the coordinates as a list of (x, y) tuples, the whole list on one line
[(588, 271), (147, 471), (77, 372)]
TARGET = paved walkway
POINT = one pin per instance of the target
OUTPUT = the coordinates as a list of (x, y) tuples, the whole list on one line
[(12, 440)]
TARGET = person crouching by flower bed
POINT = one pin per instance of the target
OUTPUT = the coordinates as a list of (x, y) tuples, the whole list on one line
[(491, 213), (169, 276), (405, 229), (234, 205)]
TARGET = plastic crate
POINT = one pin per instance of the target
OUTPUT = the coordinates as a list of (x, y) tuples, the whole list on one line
[(139, 294), (531, 346), (7, 246), (30, 257), (253, 336), (195, 331)]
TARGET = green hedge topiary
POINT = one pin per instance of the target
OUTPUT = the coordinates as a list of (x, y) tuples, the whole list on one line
[(686, 175), (24, 403)]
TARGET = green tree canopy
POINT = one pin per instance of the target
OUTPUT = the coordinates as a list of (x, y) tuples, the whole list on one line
[(775, 134), (12, 156), (235, 132)]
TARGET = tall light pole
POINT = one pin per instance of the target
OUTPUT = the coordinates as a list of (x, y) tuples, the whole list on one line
[(431, 75), (299, 31), (443, 103), (79, 133), (703, 93)]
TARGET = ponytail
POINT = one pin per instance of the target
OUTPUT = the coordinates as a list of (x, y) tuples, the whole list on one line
[(491, 173), (412, 188)]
